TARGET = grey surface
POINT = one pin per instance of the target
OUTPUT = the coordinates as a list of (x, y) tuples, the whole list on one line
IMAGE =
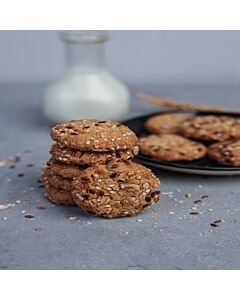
[(156, 239), (163, 56)]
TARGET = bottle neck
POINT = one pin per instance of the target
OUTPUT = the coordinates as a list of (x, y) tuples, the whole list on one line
[(84, 56)]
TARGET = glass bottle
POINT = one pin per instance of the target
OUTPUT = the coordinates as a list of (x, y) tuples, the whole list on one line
[(87, 89)]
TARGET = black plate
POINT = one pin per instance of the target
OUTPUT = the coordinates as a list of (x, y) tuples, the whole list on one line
[(204, 166)]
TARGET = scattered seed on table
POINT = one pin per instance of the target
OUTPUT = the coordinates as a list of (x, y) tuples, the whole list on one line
[(188, 195), (30, 165), (204, 196), (38, 229), (20, 174), (72, 218), (194, 213), (218, 221), (3, 206), (214, 225), (166, 193), (29, 216), (40, 206), (197, 201)]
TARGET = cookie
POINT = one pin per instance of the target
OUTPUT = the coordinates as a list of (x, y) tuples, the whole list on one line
[(171, 147), (165, 123), (65, 170), (58, 196), (226, 153), (116, 190), (94, 135), (73, 156), (56, 181), (211, 128)]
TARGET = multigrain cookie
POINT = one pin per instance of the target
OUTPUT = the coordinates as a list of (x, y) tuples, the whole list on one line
[(65, 170), (94, 135), (58, 196), (74, 156), (57, 181), (211, 128), (226, 153), (171, 147), (165, 123), (116, 190)]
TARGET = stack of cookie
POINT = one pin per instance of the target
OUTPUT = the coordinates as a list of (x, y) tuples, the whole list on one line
[(91, 166), (173, 138)]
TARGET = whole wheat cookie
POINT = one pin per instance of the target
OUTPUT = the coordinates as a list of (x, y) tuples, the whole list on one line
[(171, 147), (56, 181), (211, 128), (116, 190), (165, 123), (74, 156), (226, 153), (94, 135), (58, 196), (65, 170)]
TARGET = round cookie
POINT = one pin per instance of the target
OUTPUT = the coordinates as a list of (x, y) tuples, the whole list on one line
[(73, 156), (171, 147), (94, 135), (57, 181), (116, 190), (226, 153), (65, 170), (58, 196), (211, 128), (165, 123)]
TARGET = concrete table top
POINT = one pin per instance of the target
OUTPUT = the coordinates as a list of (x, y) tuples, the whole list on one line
[(165, 237)]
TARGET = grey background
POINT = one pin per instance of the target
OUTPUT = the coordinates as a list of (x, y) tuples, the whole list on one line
[(156, 239), (165, 57)]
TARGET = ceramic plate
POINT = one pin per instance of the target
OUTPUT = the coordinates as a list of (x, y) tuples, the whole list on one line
[(204, 166)]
